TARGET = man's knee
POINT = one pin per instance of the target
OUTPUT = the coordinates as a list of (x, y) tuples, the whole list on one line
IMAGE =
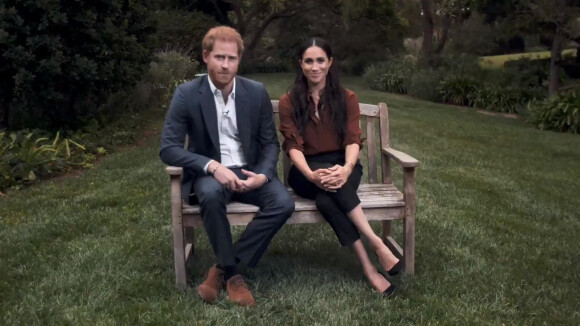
[(207, 192), (288, 205), (282, 204)]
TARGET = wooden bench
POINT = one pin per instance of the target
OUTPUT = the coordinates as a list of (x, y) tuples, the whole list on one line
[(381, 200)]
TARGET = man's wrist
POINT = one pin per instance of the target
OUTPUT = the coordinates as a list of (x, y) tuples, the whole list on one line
[(214, 168), (265, 179)]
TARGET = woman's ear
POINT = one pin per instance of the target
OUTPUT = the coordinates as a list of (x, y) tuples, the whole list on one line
[(330, 62)]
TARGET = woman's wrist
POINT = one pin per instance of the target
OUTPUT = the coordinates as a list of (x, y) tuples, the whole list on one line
[(349, 166), (310, 175)]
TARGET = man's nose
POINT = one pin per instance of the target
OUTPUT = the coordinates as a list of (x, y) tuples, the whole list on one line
[(225, 63)]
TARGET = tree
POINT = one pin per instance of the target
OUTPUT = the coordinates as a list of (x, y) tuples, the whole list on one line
[(438, 15), (251, 18), (560, 19), (182, 31), (61, 60)]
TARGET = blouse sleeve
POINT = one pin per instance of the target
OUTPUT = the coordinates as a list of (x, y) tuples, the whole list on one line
[(353, 130), (292, 138)]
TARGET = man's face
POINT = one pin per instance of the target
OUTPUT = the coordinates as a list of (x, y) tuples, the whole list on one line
[(222, 63)]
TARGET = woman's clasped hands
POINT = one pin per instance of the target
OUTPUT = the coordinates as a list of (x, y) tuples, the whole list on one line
[(332, 178)]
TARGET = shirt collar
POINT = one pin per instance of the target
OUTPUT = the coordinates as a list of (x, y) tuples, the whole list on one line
[(215, 90)]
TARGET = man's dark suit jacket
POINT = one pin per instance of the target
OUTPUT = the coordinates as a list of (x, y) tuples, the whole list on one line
[(193, 112)]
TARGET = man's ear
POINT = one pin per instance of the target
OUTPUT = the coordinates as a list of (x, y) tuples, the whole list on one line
[(205, 56)]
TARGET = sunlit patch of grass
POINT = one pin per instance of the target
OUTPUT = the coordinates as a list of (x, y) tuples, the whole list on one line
[(497, 61)]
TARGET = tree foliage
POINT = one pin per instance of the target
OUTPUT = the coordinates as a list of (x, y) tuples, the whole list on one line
[(560, 20), (60, 60), (361, 32), (182, 31)]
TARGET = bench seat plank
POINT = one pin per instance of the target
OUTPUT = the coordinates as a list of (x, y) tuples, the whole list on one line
[(375, 198), (371, 196)]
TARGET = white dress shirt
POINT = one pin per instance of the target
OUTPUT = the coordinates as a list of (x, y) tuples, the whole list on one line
[(232, 153)]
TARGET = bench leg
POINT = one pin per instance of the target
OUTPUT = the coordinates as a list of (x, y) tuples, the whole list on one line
[(178, 236), (387, 229), (189, 233), (179, 256), (409, 222), (389, 241)]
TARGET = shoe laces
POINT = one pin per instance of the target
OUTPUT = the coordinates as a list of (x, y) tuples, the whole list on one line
[(238, 281)]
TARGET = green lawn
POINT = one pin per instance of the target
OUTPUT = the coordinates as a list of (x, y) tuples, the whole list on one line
[(497, 238), (497, 61)]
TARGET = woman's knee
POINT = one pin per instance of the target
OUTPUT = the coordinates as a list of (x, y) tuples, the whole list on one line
[(324, 202)]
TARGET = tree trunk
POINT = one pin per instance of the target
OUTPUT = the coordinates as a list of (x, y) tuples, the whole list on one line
[(5, 117), (427, 47), (444, 34), (240, 25), (555, 60), (249, 51)]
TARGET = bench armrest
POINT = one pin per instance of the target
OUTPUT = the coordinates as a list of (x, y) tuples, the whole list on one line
[(174, 170), (403, 159)]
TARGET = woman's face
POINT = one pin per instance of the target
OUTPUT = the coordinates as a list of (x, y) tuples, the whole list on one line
[(315, 64)]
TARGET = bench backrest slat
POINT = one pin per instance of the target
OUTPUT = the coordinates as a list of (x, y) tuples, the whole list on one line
[(374, 121)]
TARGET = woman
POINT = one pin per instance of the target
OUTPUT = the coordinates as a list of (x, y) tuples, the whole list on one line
[(319, 120)]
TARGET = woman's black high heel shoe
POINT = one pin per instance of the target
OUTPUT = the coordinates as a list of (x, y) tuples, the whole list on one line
[(390, 291), (396, 269)]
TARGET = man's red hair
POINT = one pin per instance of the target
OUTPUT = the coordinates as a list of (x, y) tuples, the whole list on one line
[(224, 34)]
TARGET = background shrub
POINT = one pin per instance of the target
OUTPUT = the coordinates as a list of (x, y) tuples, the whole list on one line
[(424, 84), (167, 71), (459, 90), (525, 72), (460, 80), (392, 76), (559, 113), (265, 67), (461, 65), (61, 60)]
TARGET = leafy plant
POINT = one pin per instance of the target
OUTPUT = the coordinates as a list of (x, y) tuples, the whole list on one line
[(559, 113), (392, 76), (26, 156), (424, 84), (459, 90), (168, 70)]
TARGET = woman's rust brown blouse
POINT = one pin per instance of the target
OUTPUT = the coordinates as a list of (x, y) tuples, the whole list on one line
[(319, 136)]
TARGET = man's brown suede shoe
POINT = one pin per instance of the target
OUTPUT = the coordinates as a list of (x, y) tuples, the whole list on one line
[(238, 291), (209, 290)]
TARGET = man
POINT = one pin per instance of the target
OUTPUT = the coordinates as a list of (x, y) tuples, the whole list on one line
[(232, 154)]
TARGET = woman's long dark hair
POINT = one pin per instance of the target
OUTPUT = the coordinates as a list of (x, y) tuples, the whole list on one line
[(334, 96)]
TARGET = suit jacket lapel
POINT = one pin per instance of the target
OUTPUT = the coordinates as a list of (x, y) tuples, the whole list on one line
[(209, 112), (243, 116)]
